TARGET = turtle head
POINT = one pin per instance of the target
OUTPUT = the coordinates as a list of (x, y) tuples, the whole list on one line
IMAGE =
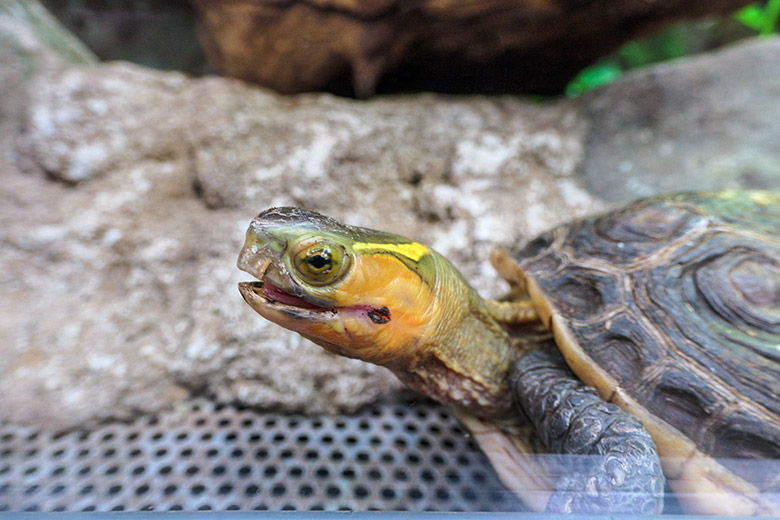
[(356, 292), (378, 297)]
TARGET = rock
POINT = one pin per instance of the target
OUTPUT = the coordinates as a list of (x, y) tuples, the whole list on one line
[(455, 173), (119, 120), (411, 45), (708, 122), (123, 208), (119, 285), (31, 41)]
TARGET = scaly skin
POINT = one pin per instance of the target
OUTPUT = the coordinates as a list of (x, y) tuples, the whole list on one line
[(390, 301), (399, 304)]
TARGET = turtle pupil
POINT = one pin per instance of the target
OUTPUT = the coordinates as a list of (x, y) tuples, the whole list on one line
[(319, 261)]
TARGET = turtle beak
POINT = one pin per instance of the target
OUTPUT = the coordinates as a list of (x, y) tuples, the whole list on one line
[(274, 295), (255, 260), (261, 250)]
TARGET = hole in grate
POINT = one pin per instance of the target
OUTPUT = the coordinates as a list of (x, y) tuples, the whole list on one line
[(415, 494), (388, 457)]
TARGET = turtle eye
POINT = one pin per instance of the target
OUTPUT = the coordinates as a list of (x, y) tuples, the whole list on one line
[(321, 263)]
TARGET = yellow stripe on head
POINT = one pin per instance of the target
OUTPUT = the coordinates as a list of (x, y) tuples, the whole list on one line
[(411, 250)]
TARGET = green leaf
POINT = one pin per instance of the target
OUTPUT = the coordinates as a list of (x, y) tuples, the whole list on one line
[(593, 77), (751, 16), (763, 20), (772, 14)]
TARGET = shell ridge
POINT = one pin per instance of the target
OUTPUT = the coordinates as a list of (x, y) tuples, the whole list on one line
[(680, 288)]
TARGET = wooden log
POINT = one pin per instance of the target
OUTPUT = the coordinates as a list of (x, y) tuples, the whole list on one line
[(359, 46)]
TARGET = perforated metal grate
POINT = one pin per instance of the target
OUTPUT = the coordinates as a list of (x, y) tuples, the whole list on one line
[(206, 457)]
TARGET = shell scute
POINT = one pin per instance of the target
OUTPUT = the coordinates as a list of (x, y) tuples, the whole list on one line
[(623, 346), (684, 398), (742, 435), (640, 229), (582, 293), (742, 286), (677, 299), (757, 211)]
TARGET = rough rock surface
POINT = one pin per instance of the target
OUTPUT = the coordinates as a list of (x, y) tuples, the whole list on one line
[(119, 286), (705, 123), (124, 199)]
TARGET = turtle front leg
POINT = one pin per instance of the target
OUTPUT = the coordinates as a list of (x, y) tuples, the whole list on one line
[(512, 312), (616, 467)]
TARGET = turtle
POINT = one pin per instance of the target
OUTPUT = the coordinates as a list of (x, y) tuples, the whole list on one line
[(641, 343)]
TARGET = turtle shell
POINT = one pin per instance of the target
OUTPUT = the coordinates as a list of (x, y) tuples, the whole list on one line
[(670, 307)]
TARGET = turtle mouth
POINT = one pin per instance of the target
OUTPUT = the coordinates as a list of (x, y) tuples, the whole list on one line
[(270, 299), (272, 295)]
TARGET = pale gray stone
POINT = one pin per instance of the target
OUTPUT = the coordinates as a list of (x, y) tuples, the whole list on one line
[(120, 282), (705, 122), (125, 193)]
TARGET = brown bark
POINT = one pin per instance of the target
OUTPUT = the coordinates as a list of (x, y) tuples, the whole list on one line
[(357, 46)]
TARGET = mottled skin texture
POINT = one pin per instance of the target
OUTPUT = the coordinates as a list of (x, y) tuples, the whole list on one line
[(668, 308), (613, 454)]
